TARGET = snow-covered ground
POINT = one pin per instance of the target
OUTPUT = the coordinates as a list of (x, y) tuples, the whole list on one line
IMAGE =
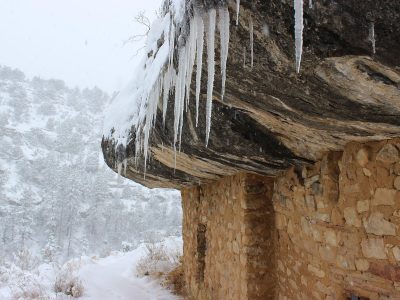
[(111, 278)]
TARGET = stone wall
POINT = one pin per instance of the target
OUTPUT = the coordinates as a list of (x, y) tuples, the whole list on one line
[(229, 238), (327, 231), (338, 225)]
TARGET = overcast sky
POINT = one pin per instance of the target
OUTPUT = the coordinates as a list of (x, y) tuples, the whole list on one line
[(78, 41)]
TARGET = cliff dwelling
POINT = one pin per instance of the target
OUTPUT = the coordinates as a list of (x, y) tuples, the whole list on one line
[(279, 121)]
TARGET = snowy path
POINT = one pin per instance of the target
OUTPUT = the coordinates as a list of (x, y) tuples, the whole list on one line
[(113, 278), (110, 278)]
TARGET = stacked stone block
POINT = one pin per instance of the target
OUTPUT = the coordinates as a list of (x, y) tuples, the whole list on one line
[(324, 231), (338, 225)]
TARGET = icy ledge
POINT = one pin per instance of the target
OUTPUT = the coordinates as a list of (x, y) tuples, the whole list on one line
[(162, 74), (172, 50)]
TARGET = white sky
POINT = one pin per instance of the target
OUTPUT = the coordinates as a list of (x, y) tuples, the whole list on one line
[(78, 41)]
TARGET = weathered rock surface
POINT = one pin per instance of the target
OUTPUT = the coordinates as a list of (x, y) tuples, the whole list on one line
[(271, 117)]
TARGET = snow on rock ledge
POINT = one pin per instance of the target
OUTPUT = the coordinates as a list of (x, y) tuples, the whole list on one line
[(174, 44), (270, 117)]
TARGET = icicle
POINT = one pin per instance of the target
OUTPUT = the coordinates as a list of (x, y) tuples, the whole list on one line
[(199, 59), (151, 113), (177, 74), (180, 94), (310, 4), (298, 31), (237, 11), (251, 42), (211, 69), (170, 73), (190, 57), (166, 94), (168, 83), (223, 25), (372, 37)]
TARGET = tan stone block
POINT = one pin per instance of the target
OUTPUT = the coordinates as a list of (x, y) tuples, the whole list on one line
[(247, 240), (323, 288), (384, 196), (373, 248), (330, 237), (367, 172), (204, 219), (281, 267), (316, 234), (345, 262), (280, 221), (310, 202), (396, 286), (396, 252), (336, 217), (320, 204), (362, 157), (382, 177), (351, 240), (305, 226), (397, 183), (310, 246), (316, 271), (327, 253), (229, 246), (351, 217), (362, 206), (290, 228), (289, 204), (293, 284), (235, 247), (388, 154), (296, 267), (243, 259), (323, 217), (376, 224), (317, 295), (396, 168), (351, 189), (303, 280), (362, 264)]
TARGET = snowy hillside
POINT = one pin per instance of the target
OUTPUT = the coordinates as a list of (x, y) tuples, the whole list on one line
[(57, 198)]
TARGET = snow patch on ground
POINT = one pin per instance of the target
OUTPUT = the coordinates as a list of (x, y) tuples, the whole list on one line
[(111, 278)]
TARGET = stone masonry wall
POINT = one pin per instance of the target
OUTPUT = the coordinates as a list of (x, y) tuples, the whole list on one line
[(338, 224), (229, 238), (327, 231)]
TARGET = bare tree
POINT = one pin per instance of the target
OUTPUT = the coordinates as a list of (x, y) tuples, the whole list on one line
[(143, 20)]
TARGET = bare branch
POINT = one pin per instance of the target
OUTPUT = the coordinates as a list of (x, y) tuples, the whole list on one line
[(143, 20)]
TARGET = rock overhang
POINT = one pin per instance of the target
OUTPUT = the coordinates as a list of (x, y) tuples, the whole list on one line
[(272, 118)]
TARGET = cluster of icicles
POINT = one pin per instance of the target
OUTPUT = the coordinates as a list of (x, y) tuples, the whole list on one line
[(175, 78)]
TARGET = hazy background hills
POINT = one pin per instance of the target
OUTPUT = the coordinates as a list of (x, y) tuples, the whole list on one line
[(57, 197)]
